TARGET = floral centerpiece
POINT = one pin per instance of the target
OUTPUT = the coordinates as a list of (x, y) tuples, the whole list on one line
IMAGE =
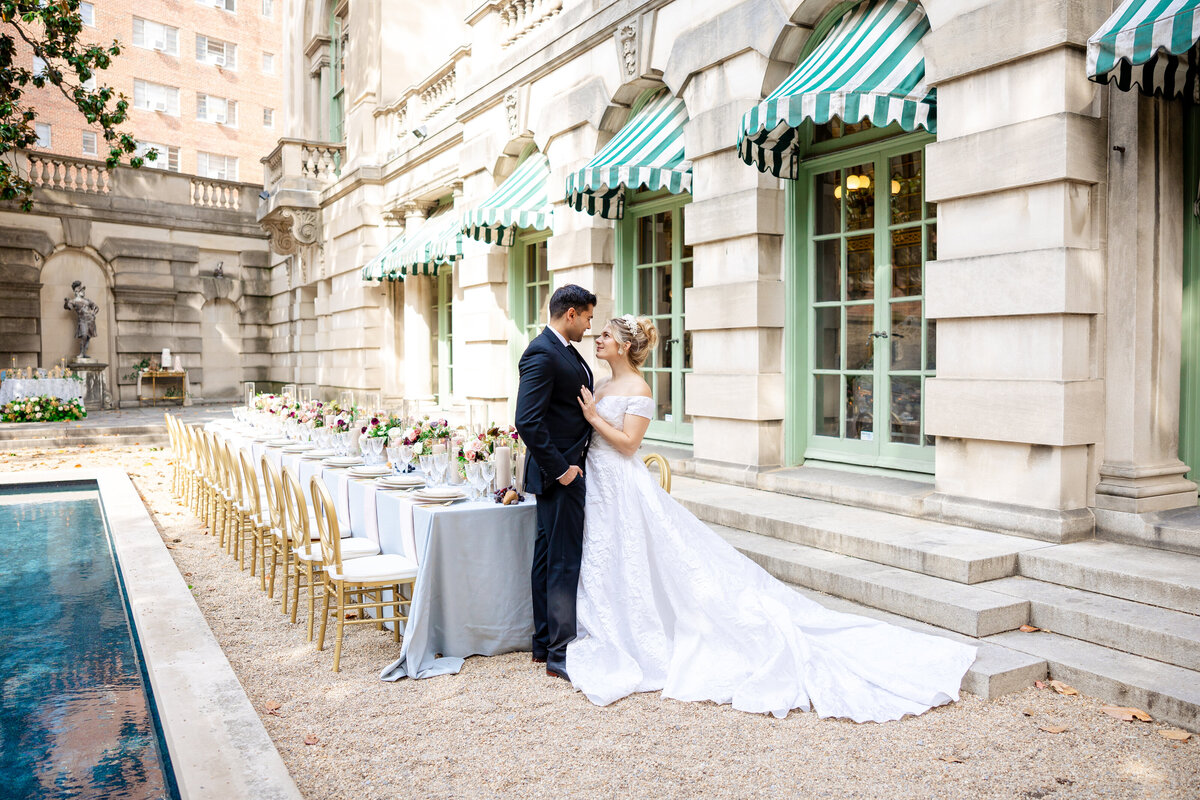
[(483, 446), (419, 435), (379, 428), (42, 409)]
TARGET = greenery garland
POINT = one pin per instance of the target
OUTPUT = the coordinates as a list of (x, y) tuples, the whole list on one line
[(42, 409)]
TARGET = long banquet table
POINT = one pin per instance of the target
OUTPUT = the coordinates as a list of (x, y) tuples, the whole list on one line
[(472, 594)]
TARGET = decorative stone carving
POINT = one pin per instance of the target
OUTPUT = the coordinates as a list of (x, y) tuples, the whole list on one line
[(627, 41), (291, 228), (85, 318), (510, 110)]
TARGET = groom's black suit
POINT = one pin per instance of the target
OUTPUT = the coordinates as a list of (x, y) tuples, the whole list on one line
[(556, 435)]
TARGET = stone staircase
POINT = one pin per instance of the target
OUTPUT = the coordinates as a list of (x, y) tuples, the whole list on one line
[(1119, 621)]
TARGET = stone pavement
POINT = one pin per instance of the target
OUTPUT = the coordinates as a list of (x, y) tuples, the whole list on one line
[(118, 427)]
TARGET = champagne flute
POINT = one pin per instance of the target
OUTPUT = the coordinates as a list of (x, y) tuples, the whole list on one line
[(487, 471), (427, 467), (473, 478)]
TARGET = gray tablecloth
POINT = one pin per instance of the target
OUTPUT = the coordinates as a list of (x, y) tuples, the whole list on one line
[(472, 595)]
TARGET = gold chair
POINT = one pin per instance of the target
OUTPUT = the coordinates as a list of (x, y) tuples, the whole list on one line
[(664, 470), (309, 560), (258, 519), (176, 452), (351, 582), (281, 553), (239, 510)]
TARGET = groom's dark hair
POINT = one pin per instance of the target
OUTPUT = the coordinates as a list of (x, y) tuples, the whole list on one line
[(570, 296)]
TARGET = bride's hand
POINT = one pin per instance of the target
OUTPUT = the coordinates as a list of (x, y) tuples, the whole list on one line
[(587, 402)]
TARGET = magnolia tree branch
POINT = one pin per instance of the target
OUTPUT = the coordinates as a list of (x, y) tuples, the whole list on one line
[(52, 30)]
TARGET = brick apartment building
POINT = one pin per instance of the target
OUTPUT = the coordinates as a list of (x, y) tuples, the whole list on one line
[(203, 78)]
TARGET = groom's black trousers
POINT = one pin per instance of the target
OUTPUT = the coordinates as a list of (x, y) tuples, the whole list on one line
[(555, 578)]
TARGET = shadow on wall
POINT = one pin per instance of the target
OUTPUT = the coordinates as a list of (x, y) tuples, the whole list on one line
[(221, 351)]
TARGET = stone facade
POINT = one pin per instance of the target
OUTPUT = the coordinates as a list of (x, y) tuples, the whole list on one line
[(1055, 287), (146, 244)]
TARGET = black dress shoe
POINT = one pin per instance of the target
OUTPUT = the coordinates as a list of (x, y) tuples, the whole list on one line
[(557, 672)]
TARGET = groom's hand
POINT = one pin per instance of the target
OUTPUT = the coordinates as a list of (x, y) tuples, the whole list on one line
[(570, 475)]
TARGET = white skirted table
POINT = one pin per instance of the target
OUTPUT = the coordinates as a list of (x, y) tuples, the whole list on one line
[(62, 388), (472, 593)]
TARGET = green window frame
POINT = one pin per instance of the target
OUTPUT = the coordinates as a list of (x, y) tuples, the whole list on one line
[(1189, 383), (337, 78), (529, 288), (443, 306), (654, 270)]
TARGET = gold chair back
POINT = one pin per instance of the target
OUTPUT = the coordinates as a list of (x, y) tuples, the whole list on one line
[(275, 503), (327, 524), (297, 509), (250, 493), (664, 470)]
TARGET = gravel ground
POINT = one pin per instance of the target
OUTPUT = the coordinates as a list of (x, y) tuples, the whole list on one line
[(502, 728)]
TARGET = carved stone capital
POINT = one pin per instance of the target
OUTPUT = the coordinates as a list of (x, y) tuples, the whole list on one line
[(292, 228)]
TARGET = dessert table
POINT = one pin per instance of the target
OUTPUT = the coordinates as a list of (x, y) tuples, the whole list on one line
[(62, 388), (472, 594)]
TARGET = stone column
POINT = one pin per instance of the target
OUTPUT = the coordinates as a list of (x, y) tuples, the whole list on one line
[(1017, 289), (735, 309), (418, 321), (1141, 470)]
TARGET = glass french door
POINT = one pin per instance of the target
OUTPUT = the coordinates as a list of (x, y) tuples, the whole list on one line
[(654, 271), (869, 232), (443, 337), (529, 290)]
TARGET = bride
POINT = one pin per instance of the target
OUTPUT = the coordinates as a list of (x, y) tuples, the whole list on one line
[(665, 603)]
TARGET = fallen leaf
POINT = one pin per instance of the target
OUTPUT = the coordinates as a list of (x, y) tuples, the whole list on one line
[(1062, 688), (1029, 712), (1039, 684), (77, 466), (1029, 629), (310, 739), (950, 759), (1052, 728), (1175, 734), (272, 705), (1126, 714)]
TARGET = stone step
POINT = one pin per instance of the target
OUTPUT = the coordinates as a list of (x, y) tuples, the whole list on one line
[(965, 609), (1168, 693), (88, 439), (1177, 529), (1157, 633), (997, 670), (1144, 575), (951, 552)]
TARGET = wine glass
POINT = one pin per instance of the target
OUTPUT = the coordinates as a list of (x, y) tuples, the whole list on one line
[(376, 443), (393, 457), (473, 478), (487, 471)]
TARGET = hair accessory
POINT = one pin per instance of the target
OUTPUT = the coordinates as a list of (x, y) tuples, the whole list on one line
[(631, 321)]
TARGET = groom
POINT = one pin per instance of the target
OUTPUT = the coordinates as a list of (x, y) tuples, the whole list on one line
[(556, 436)]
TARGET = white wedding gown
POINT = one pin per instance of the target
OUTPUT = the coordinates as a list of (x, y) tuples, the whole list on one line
[(665, 603)]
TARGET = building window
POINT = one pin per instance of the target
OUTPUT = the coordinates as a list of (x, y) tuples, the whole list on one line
[(339, 33), (156, 97), (89, 84), (443, 339), (155, 36), (43, 134), (87, 13), (268, 8), (39, 65), (268, 63), (224, 5), (211, 165), (216, 52), (220, 110), (89, 143), (268, 118), (168, 157)]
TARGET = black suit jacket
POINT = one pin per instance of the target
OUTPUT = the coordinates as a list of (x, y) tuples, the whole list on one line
[(548, 415)]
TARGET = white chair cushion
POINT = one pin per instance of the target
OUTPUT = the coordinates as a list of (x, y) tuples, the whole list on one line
[(351, 548), (376, 569)]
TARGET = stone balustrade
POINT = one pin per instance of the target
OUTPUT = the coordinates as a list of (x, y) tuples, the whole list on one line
[(211, 193), (71, 174), (315, 163), (438, 91), (519, 17)]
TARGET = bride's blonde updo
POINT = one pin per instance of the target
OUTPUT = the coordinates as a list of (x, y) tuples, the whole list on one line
[(636, 337)]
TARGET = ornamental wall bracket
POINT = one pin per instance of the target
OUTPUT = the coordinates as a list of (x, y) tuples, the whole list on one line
[(292, 228), (634, 38), (627, 42), (510, 111)]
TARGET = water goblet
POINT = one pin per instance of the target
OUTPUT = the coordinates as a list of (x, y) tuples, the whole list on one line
[(376, 446), (393, 458), (487, 470), (428, 469), (474, 479)]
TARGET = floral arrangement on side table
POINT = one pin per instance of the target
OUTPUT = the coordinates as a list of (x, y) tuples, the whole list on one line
[(42, 409)]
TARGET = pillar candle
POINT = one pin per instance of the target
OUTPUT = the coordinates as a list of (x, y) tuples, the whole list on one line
[(438, 448), (503, 459), (178, 363)]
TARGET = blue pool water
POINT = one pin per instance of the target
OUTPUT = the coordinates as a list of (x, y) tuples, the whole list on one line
[(75, 716)]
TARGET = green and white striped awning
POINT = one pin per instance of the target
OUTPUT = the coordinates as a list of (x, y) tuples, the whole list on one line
[(522, 201), (871, 65), (383, 266), (1150, 44), (646, 153), (436, 242)]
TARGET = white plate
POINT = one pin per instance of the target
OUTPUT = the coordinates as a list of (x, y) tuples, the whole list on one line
[(342, 461), (400, 483), (297, 448), (280, 443), (440, 493), (367, 472), (322, 453)]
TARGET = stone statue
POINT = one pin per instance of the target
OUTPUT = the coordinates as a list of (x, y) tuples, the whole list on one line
[(85, 317)]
